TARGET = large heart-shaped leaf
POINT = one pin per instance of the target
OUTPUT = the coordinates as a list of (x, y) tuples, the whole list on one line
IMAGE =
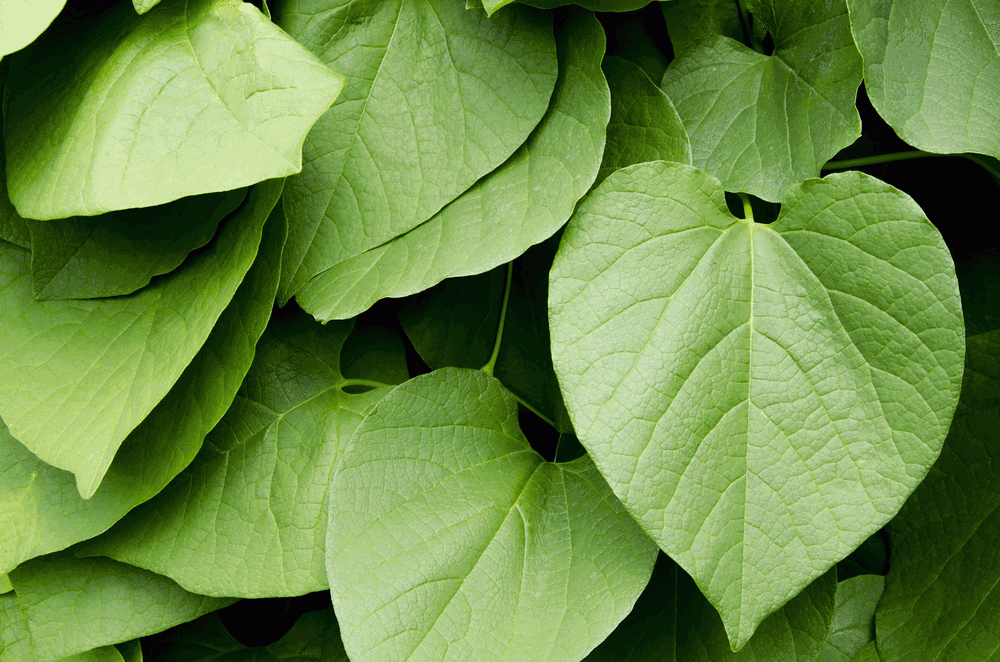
[(128, 124), (761, 123), (761, 397), (450, 538), (932, 70), (77, 377), (436, 97)]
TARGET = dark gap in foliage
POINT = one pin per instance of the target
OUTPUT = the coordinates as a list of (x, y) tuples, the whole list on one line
[(542, 436), (870, 558), (767, 44), (640, 37), (414, 363), (569, 448), (373, 350), (735, 204), (763, 211), (263, 621)]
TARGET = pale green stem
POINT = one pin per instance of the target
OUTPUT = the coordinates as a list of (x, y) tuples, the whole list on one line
[(363, 382), (535, 411), (875, 160), (491, 364), (747, 209)]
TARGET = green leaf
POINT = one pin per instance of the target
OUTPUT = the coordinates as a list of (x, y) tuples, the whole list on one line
[(437, 97), (160, 108), (77, 377), (70, 257), (672, 622), (932, 70), (451, 538), (143, 6), (15, 644), (940, 600), (492, 6), (761, 123), (644, 125), (690, 21), (854, 620), (5, 584), (42, 503), (100, 654), (131, 651), (21, 21), (761, 397), (72, 605), (315, 636), (248, 518)]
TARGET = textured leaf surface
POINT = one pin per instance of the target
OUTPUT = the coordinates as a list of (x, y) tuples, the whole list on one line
[(42, 503), (932, 70), (761, 397), (519, 204), (73, 605), (452, 539), (117, 253), (437, 97), (673, 622), (21, 21), (76, 377), (689, 21), (315, 636), (247, 518), (941, 600), (128, 125), (761, 123), (15, 645), (854, 619)]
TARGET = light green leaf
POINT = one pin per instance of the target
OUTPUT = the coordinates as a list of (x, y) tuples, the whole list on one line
[(315, 636), (763, 123), (42, 503), (160, 108), (672, 622), (77, 377), (437, 97), (452, 539), (761, 397), (100, 654), (143, 6), (248, 518), (644, 125), (72, 605), (21, 21), (13, 228), (5, 584), (932, 70), (70, 257), (690, 21), (940, 600), (15, 644), (596, 5), (854, 620)]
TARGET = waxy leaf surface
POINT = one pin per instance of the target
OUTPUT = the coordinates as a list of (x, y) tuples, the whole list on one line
[(941, 600), (77, 377), (761, 397), (160, 108), (436, 97), (72, 605), (248, 518), (21, 21), (761, 123), (932, 70), (42, 503), (452, 539), (853, 624)]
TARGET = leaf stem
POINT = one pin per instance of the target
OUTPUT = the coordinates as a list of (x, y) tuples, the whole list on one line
[(363, 382), (534, 411), (488, 368), (747, 209), (878, 158)]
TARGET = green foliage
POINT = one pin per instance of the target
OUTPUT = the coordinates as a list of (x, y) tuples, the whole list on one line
[(499, 330)]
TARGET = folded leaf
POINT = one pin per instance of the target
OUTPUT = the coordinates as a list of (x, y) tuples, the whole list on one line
[(21, 21), (761, 397), (436, 97), (160, 108), (76, 377), (932, 70), (450, 538)]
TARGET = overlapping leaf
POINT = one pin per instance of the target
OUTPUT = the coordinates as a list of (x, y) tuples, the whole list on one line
[(73, 605), (761, 397), (853, 624), (932, 70), (21, 21), (77, 377), (761, 123), (156, 108), (452, 539), (436, 97), (248, 518), (596, 5), (42, 503)]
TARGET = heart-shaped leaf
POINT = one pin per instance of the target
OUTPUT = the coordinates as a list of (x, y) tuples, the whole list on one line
[(761, 397)]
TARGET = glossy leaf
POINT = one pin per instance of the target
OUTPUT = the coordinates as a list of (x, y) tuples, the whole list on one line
[(932, 70), (854, 619), (761, 397), (21, 21), (73, 605), (452, 539), (42, 503), (128, 125), (77, 377), (247, 518), (940, 600), (761, 123), (521, 203)]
